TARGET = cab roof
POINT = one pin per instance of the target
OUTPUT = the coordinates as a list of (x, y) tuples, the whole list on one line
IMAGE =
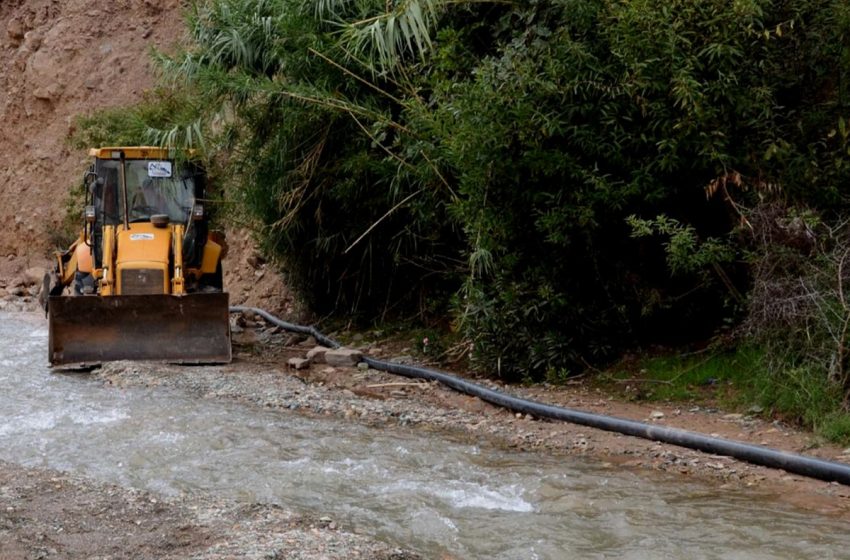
[(136, 152)]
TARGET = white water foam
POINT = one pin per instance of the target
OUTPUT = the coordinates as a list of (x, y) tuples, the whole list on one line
[(481, 497)]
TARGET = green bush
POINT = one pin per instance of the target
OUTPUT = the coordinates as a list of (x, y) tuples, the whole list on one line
[(430, 157)]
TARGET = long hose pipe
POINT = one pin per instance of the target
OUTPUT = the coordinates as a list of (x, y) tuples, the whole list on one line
[(756, 454)]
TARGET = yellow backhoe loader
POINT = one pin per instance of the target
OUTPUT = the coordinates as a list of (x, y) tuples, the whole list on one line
[(144, 276)]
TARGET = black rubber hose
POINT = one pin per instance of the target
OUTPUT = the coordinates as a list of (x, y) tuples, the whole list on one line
[(756, 454)]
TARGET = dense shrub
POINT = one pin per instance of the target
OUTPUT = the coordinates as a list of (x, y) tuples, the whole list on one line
[(526, 164), (587, 112)]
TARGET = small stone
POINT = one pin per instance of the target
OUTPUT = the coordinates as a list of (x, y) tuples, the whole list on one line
[(256, 260), (343, 357), (732, 416), (518, 415), (33, 40), (363, 366), (299, 363), (317, 354), (15, 31), (756, 409), (656, 415)]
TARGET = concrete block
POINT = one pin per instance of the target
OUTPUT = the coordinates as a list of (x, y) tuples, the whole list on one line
[(345, 357), (299, 363)]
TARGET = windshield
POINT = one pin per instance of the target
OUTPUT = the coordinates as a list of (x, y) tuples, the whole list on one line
[(149, 195), (152, 188)]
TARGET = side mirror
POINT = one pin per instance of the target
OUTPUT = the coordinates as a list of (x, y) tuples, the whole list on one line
[(198, 212), (91, 214)]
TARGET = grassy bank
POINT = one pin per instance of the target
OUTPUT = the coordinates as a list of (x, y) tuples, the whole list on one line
[(737, 380)]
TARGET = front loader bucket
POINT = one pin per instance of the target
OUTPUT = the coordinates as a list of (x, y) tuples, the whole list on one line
[(85, 330)]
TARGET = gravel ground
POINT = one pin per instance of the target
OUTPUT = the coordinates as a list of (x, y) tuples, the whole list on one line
[(45, 514)]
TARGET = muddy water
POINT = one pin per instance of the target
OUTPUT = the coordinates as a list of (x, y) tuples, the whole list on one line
[(433, 495)]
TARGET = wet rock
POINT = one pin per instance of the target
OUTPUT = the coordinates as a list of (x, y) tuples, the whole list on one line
[(317, 354), (345, 357)]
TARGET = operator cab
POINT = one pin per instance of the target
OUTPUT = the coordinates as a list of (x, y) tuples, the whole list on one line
[(160, 190)]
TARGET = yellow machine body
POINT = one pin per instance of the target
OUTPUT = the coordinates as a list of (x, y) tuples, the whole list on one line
[(145, 271)]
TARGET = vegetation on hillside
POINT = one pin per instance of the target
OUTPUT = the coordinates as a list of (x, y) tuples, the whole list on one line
[(566, 179)]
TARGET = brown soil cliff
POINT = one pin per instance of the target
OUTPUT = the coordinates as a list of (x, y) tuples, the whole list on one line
[(59, 59)]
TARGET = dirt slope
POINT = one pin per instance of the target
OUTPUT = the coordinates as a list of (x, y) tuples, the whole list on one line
[(59, 59)]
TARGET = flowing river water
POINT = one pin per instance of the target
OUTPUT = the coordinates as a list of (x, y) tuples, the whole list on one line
[(422, 491)]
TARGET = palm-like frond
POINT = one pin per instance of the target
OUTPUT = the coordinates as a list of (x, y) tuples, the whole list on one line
[(190, 136), (387, 38), (228, 35)]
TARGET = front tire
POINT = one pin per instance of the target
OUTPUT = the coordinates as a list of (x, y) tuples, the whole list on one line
[(212, 282), (83, 284)]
